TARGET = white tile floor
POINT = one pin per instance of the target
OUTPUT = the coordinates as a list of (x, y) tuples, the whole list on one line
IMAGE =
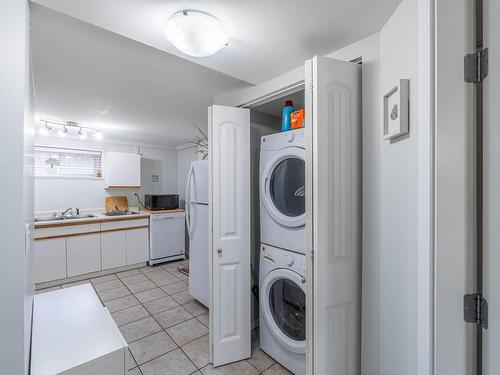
[(166, 329)]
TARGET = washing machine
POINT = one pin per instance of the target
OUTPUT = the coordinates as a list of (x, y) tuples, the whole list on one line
[(282, 190), (282, 304)]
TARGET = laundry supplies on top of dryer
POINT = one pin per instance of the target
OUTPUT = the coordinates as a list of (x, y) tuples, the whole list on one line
[(282, 190)]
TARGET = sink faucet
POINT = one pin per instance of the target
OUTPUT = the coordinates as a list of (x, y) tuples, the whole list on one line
[(66, 211)]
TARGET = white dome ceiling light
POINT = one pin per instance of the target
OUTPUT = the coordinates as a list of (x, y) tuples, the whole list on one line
[(196, 33)]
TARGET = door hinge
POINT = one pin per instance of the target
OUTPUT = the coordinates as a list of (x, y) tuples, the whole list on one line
[(476, 66), (476, 310)]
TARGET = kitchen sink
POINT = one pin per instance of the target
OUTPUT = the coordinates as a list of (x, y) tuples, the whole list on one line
[(83, 216), (48, 218), (59, 217), (121, 213)]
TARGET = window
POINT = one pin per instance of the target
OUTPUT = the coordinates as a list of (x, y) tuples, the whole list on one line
[(67, 163)]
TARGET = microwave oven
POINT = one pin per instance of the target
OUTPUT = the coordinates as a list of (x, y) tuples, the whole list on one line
[(156, 202)]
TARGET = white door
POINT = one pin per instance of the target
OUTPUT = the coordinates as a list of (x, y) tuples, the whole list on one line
[(333, 196), (229, 218), (491, 239)]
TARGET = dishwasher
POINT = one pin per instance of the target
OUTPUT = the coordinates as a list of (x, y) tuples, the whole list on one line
[(166, 237)]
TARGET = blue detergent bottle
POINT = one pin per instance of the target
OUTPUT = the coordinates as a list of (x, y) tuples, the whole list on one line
[(286, 120)]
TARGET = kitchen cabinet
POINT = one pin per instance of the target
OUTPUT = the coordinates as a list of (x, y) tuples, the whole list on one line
[(122, 170), (113, 249), (76, 248), (49, 259), (83, 254), (137, 245)]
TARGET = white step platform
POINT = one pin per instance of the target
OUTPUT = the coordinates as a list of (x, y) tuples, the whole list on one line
[(73, 333)]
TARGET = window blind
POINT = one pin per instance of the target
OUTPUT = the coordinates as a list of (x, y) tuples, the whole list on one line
[(66, 162)]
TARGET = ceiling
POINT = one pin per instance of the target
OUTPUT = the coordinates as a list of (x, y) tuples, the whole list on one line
[(268, 37), (107, 64), (133, 92)]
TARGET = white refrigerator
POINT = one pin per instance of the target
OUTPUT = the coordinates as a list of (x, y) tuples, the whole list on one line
[(197, 227)]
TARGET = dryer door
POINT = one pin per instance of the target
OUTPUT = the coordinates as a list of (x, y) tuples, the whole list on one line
[(283, 299), (282, 187)]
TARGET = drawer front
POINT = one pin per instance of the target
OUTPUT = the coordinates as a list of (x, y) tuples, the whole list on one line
[(84, 254), (68, 230), (114, 225)]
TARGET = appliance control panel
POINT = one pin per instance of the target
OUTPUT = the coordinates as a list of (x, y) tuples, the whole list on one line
[(285, 259), (281, 140)]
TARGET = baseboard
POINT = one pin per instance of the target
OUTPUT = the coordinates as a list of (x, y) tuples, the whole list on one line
[(68, 280)]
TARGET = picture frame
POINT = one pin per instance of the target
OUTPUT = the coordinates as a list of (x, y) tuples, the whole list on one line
[(396, 110)]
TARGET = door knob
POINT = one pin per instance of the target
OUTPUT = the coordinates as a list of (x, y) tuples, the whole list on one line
[(219, 251)]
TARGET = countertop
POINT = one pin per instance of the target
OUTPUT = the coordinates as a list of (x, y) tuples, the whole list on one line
[(177, 210), (99, 217)]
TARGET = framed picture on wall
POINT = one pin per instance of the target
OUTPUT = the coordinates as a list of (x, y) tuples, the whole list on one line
[(396, 116)]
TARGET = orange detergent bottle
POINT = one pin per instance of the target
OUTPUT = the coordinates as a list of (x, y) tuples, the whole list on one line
[(297, 118)]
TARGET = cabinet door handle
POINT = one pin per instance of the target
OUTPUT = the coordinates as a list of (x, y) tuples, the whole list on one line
[(219, 251)]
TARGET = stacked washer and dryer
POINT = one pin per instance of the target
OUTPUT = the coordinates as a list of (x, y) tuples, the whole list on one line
[(282, 254)]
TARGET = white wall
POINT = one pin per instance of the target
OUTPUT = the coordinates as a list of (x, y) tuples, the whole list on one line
[(59, 194), (16, 126), (399, 203), (185, 155)]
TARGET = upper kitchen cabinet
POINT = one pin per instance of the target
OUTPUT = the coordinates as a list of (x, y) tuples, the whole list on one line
[(122, 170)]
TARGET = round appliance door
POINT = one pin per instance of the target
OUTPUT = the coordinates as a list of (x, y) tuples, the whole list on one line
[(283, 182), (283, 299)]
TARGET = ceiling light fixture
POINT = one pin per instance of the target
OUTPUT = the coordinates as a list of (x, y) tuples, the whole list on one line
[(65, 128), (196, 33), (82, 134), (45, 130), (62, 132)]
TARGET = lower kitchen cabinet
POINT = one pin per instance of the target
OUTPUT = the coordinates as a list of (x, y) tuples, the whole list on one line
[(83, 254), (49, 260), (137, 245), (113, 249)]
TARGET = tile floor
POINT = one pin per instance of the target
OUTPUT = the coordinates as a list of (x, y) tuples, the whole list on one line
[(166, 329)]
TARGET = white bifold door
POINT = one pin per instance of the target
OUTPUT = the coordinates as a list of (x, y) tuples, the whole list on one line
[(333, 208), (229, 218), (333, 212)]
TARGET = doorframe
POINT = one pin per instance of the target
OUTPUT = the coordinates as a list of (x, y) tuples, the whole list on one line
[(454, 263), (426, 172)]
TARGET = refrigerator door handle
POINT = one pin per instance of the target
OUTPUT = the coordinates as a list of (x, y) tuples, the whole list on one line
[(188, 211)]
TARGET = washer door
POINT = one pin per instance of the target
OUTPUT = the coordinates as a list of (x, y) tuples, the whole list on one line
[(283, 183), (283, 300)]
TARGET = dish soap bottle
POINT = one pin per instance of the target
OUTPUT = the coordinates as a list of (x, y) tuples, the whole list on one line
[(286, 120)]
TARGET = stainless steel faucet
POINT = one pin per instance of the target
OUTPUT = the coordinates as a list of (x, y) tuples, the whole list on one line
[(66, 211)]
